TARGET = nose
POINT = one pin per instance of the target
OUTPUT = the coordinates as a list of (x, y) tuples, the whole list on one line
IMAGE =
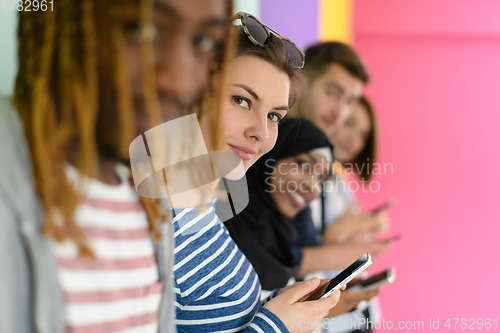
[(176, 72), (337, 108), (349, 137), (257, 130), (309, 185), (345, 108)]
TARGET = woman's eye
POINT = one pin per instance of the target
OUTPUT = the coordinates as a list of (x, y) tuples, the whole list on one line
[(204, 43), (241, 102), (274, 117), (331, 93), (304, 165), (150, 31)]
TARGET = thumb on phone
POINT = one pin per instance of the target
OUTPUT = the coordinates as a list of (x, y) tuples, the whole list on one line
[(299, 289)]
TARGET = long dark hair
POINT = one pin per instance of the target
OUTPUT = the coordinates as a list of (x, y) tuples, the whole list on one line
[(369, 153)]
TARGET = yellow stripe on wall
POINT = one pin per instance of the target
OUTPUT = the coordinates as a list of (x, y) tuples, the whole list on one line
[(335, 20)]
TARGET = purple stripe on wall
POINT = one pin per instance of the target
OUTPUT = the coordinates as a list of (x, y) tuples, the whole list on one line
[(295, 19)]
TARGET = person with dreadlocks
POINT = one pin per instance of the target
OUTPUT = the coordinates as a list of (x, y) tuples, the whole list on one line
[(79, 250)]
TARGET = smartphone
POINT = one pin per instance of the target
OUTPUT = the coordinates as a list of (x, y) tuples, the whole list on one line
[(375, 281), (348, 274), (392, 238), (388, 204)]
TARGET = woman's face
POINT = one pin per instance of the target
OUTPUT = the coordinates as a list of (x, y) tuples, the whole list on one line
[(350, 138), (296, 181), (257, 99)]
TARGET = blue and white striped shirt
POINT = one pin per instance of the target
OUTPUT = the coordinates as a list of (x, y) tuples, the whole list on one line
[(217, 288)]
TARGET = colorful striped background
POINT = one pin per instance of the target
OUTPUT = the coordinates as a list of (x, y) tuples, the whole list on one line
[(434, 83), (305, 22)]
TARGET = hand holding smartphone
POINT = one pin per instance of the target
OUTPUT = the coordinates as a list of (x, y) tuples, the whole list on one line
[(348, 274), (386, 205), (375, 281), (392, 238)]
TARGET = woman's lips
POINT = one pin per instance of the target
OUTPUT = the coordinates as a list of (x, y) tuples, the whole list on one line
[(245, 153), (297, 200), (345, 148), (330, 121)]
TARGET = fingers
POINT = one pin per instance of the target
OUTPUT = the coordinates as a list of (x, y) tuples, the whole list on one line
[(373, 293), (379, 247), (318, 292), (300, 289), (326, 303), (382, 221), (325, 281), (355, 209), (362, 295), (351, 210), (370, 223)]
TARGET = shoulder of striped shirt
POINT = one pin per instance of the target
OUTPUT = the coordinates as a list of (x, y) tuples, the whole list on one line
[(264, 320)]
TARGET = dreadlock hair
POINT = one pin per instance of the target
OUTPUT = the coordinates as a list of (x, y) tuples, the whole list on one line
[(57, 96)]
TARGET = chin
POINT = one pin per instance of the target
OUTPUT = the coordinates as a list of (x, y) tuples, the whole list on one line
[(345, 159), (292, 212), (248, 164)]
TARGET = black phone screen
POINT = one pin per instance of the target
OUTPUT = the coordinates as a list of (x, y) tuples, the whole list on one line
[(346, 272), (375, 278)]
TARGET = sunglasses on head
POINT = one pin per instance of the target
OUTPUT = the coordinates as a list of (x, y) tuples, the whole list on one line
[(259, 34)]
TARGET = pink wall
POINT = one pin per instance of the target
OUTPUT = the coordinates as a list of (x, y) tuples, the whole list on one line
[(436, 71)]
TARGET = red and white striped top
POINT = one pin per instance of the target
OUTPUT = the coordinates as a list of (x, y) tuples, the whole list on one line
[(120, 290)]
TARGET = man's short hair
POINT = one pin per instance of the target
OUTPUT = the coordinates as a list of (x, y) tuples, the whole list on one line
[(321, 55)]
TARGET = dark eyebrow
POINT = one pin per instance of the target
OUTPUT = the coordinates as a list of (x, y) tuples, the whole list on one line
[(283, 108), (254, 94), (249, 90)]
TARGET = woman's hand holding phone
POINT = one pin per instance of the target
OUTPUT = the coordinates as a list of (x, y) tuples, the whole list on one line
[(344, 226), (359, 244), (380, 222), (353, 222), (296, 302), (350, 300)]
